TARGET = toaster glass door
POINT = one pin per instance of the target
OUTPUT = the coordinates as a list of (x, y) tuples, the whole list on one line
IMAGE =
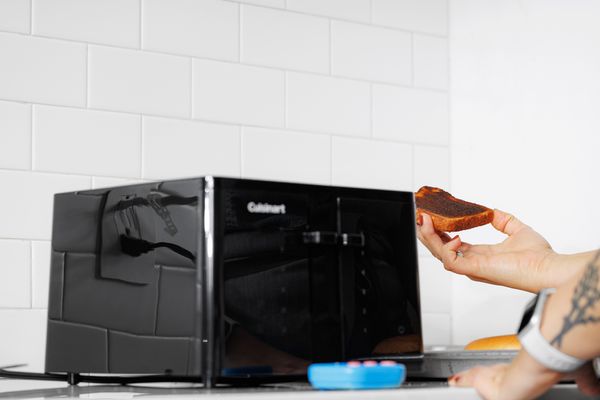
[(379, 294), (333, 277), (281, 311)]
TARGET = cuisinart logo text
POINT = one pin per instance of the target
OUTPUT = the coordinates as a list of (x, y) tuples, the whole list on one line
[(265, 208)]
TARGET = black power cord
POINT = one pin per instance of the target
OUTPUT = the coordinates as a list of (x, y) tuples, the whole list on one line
[(74, 378)]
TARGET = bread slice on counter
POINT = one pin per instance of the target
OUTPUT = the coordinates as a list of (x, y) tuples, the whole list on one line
[(504, 342), (448, 213)]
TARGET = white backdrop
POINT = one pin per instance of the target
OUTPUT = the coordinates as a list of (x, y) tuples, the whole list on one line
[(525, 123)]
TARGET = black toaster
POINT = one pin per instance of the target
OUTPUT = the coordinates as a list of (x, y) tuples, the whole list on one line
[(218, 278)]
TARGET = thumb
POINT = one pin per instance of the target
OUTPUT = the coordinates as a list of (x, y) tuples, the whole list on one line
[(506, 223)]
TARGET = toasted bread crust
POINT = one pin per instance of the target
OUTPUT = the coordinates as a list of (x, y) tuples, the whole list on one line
[(448, 213)]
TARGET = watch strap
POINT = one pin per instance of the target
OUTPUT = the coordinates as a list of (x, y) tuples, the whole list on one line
[(543, 352)]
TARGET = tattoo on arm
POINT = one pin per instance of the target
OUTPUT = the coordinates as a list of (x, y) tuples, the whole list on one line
[(585, 297)]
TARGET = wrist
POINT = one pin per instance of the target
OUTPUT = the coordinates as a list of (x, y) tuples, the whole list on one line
[(556, 269)]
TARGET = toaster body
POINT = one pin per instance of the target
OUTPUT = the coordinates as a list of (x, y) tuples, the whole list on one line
[(217, 278)]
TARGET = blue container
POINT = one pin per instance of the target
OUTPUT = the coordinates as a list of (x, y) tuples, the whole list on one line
[(356, 375)]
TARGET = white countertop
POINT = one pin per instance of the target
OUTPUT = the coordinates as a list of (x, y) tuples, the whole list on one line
[(11, 388)]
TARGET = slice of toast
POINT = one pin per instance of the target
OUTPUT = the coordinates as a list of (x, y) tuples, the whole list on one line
[(448, 213)]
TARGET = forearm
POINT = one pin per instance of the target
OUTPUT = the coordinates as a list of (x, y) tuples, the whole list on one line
[(558, 269), (571, 320)]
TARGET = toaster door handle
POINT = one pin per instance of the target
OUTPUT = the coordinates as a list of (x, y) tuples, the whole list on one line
[(334, 239), (320, 237), (352, 239)]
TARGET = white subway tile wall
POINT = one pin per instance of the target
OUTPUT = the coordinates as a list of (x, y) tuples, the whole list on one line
[(15, 135), (86, 142), (15, 274), (23, 337), (429, 16), (138, 82), (410, 115), (114, 22), (371, 53), (284, 39), (15, 15), (26, 211), (298, 157), (436, 328), (42, 70), (96, 93), (353, 10), (40, 273), (432, 167), (430, 62), (433, 278), (266, 3), (207, 28), (238, 94), (179, 148), (329, 105), (371, 163)]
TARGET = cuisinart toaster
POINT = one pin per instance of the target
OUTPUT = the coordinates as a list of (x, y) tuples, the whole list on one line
[(212, 278)]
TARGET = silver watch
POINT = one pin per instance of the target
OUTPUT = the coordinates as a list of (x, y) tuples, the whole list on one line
[(536, 345)]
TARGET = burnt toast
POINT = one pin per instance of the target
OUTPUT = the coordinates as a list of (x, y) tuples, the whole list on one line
[(448, 213)]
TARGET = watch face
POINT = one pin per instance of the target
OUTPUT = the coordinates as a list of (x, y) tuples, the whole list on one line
[(528, 313)]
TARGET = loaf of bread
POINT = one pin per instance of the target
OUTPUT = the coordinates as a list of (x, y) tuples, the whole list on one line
[(505, 342), (448, 213)]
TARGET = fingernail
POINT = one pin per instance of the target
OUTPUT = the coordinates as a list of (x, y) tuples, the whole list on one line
[(453, 380)]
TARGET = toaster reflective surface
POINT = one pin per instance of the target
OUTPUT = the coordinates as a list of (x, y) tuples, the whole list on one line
[(302, 274), (333, 278)]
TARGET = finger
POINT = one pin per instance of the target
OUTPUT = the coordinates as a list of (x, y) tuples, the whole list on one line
[(443, 235), (464, 378), (506, 223), (464, 246), (587, 381), (429, 237), (452, 259), (419, 219), (488, 380)]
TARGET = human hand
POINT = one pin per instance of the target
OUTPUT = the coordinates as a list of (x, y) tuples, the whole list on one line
[(524, 260), (524, 378)]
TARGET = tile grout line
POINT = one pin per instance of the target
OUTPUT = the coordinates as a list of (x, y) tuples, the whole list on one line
[(31, 274), (330, 47), (224, 123), (241, 132), (412, 59), (342, 19), (414, 165), (191, 96), (239, 33), (87, 76), (141, 22), (32, 108), (264, 66), (331, 159), (371, 110), (142, 164), (73, 174), (285, 99), (31, 17)]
